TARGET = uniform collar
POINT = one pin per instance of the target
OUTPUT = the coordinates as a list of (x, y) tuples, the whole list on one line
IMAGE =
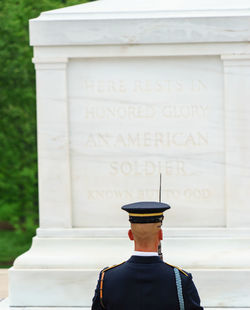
[(140, 253), (144, 259)]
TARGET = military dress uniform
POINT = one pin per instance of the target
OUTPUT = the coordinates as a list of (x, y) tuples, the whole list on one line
[(145, 281)]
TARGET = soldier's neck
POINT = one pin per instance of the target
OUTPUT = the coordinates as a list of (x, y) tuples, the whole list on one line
[(149, 248)]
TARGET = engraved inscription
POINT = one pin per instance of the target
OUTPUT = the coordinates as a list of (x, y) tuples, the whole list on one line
[(143, 86), (187, 193), (149, 168), (132, 118), (147, 139), (134, 112)]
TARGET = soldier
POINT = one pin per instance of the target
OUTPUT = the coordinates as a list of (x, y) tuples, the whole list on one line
[(145, 281)]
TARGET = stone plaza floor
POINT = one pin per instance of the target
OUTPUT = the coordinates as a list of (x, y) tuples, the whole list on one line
[(3, 283)]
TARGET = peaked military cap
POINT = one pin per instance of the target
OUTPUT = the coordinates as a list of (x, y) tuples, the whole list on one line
[(146, 211)]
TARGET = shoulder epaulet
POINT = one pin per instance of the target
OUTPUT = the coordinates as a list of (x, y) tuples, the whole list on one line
[(178, 269), (101, 281), (107, 268)]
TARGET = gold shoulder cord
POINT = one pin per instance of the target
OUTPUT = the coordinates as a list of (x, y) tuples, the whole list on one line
[(178, 269), (101, 282)]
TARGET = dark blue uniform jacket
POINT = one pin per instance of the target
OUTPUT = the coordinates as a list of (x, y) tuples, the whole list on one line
[(144, 283)]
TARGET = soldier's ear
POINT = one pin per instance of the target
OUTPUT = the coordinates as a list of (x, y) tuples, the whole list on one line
[(160, 234), (130, 235)]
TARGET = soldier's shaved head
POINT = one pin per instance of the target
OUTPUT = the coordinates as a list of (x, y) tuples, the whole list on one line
[(146, 236)]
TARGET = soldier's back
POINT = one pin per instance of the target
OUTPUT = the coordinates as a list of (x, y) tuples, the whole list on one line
[(143, 283)]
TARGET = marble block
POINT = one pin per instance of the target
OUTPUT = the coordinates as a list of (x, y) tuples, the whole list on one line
[(126, 91), (147, 116)]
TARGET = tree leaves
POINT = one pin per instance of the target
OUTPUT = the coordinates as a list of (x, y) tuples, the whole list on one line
[(18, 152)]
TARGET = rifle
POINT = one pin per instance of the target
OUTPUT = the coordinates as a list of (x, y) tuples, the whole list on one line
[(159, 246)]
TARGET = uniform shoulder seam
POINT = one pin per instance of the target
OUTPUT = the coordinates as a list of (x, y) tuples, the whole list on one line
[(178, 269), (111, 267)]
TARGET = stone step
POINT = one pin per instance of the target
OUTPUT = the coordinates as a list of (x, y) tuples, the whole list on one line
[(5, 306)]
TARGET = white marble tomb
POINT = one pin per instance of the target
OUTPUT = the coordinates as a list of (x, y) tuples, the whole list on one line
[(126, 90)]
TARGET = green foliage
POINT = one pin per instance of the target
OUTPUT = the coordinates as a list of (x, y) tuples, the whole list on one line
[(18, 153), (12, 244)]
